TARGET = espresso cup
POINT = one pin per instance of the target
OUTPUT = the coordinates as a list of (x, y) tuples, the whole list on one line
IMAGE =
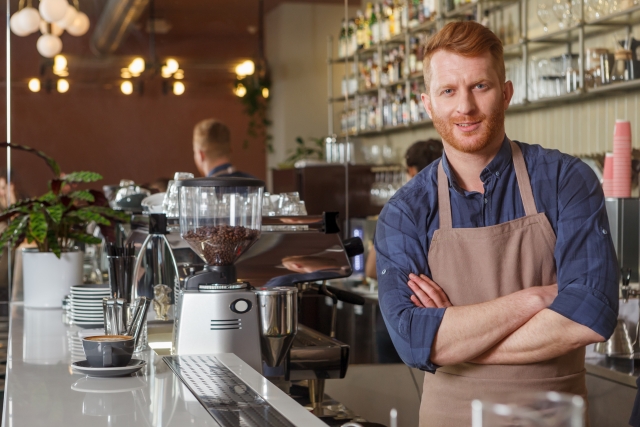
[(107, 351)]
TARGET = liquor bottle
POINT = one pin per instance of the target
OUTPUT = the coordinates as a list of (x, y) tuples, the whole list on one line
[(342, 41), (485, 19), (413, 107), (406, 114), (375, 25), (397, 17), (385, 21), (396, 109), (402, 66), (384, 71), (351, 37), (390, 68), (427, 9), (413, 54), (375, 71), (367, 26), (404, 15), (360, 32)]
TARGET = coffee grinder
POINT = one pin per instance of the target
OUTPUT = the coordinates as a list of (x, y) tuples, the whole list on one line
[(220, 218)]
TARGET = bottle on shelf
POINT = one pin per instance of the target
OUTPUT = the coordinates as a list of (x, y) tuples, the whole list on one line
[(342, 41), (385, 22), (352, 44), (375, 71), (414, 13), (375, 25), (485, 19), (360, 31), (368, 32)]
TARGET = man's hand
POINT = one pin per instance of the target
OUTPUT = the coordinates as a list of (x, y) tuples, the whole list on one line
[(427, 293)]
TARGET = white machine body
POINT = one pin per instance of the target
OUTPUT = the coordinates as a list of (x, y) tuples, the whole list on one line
[(218, 321)]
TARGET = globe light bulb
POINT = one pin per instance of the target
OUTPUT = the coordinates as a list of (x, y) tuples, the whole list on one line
[(247, 68), (53, 10), (178, 75), (34, 85), (125, 73), (265, 92), (164, 71), (126, 87), (80, 25), (14, 24), (69, 16), (28, 20), (49, 45), (172, 65), (59, 64), (62, 86), (178, 88), (137, 66), (241, 90)]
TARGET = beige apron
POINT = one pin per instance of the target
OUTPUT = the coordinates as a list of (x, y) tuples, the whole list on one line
[(475, 265)]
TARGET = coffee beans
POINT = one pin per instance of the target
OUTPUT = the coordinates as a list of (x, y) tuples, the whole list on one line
[(220, 244)]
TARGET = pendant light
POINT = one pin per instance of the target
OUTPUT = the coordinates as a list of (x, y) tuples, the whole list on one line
[(53, 10)]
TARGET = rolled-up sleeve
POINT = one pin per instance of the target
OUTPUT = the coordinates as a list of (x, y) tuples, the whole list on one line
[(584, 253), (399, 251)]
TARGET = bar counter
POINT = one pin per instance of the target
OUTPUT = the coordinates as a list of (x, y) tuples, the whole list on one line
[(42, 389)]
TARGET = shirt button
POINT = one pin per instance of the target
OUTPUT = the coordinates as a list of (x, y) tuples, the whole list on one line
[(485, 200), (497, 173), (604, 231), (384, 271)]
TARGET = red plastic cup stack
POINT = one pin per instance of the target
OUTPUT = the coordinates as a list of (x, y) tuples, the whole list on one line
[(607, 175), (621, 159)]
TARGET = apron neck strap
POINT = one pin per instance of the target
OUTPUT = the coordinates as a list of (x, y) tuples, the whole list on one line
[(522, 176)]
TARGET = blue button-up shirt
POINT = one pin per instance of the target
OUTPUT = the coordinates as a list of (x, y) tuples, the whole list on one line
[(564, 188), (234, 174)]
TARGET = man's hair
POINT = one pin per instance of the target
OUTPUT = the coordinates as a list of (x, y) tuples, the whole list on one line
[(421, 153), (212, 137), (469, 39)]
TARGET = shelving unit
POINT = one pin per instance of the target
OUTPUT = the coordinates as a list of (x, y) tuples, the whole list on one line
[(526, 46)]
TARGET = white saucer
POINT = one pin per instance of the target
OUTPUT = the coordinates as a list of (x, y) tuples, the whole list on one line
[(89, 287), (82, 367)]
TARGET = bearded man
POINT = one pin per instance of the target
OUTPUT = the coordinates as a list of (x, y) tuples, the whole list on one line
[(495, 263)]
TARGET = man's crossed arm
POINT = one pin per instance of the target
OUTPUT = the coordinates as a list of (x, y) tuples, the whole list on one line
[(513, 329)]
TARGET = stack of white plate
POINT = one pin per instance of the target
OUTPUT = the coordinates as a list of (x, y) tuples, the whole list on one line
[(86, 305)]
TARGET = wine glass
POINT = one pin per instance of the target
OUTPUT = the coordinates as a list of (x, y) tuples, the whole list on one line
[(544, 13), (562, 10)]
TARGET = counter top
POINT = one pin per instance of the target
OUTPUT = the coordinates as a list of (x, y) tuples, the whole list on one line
[(622, 371), (41, 386)]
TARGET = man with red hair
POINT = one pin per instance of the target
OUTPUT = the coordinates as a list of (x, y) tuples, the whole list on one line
[(495, 263)]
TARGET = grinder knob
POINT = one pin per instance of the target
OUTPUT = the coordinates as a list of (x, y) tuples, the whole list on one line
[(241, 306)]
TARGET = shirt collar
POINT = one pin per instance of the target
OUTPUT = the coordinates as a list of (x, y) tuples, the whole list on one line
[(495, 166), (217, 169)]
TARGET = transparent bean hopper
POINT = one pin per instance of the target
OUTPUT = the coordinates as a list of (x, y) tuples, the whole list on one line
[(220, 218)]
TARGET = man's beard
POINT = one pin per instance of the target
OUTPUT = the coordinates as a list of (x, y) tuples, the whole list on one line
[(491, 128)]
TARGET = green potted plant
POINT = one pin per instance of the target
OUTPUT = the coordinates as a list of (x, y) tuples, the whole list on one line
[(54, 222)]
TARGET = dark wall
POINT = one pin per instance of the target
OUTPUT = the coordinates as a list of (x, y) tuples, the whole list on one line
[(135, 137)]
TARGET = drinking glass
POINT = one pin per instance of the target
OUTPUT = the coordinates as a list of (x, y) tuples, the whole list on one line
[(287, 203), (541, 409), (544, 14), (268, 209)]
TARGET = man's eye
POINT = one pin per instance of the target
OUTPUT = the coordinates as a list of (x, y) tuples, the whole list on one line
[(447, 91), (481, 85)]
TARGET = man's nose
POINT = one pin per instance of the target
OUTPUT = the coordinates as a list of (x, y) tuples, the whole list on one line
[(466, 103)]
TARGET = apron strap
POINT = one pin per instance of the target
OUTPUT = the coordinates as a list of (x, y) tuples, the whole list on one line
[(522, 176), (444, 203), (526, 194)]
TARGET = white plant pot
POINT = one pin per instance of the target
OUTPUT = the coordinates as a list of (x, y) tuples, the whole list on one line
[(48, 279)]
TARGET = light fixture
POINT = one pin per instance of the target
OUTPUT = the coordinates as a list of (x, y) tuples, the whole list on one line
[(47, 28), (178, 88), (49, 45), (34, 85), (125, 73), (172, 65), (240, 90), (53, 10), (137, 66), (59, 64), (126, 87), (80, 25), (179, 75), (265, 92), (69, 17), (62, 86), (247, 68), (164, 71), (27, 21)]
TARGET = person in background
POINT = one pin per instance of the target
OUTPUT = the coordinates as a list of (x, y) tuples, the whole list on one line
[(212, 150), (417, 157)]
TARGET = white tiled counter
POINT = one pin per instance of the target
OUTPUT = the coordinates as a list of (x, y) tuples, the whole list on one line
[(41, 388)]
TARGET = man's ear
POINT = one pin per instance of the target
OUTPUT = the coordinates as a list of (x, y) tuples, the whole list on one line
[(426, 101)]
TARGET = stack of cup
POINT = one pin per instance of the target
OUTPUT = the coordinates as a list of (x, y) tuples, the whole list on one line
[(621, 159), (607, 175)]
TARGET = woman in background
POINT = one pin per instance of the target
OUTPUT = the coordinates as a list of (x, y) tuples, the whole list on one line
[(417, 157)]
